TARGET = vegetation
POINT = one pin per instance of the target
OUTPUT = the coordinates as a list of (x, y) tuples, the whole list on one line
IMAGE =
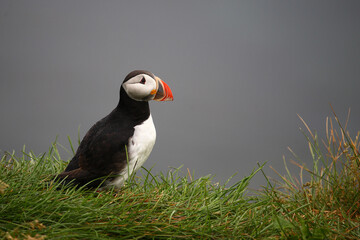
[(175, 206)]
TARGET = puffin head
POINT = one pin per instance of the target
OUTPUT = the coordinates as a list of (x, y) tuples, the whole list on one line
[(141, 85)]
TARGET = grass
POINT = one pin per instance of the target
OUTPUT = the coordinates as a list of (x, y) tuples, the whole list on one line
[(175, 205)]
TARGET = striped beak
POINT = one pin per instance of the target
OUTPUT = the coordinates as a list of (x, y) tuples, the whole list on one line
[(163, 91)]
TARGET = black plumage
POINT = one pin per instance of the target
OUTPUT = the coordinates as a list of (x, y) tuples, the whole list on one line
[(102, 153)]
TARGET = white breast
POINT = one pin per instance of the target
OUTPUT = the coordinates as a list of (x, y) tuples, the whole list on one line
[(139, 149)]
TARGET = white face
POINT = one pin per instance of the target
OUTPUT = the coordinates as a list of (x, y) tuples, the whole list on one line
[(142, 87)]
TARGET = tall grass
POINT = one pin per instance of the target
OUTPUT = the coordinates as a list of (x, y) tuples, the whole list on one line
[(328, 205), (161, 206), (175, 205)]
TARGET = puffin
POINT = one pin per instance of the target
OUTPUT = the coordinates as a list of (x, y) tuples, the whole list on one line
[(120, 143)]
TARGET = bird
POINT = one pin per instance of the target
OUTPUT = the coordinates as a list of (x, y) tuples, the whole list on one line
[(120, 143)]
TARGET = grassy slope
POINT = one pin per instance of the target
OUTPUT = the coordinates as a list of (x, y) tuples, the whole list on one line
[(176, 206)]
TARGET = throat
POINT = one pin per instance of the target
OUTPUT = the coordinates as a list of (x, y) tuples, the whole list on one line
[(136, 110)]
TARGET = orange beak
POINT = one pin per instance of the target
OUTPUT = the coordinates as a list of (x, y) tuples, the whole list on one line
[(163, 92)]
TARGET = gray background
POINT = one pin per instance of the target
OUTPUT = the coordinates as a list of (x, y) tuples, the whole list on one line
[(240, 71)]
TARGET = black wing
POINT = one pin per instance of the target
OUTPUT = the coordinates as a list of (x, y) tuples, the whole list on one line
[(101, 152)]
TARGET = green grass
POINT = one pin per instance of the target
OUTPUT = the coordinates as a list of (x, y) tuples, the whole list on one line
[(175, 205)]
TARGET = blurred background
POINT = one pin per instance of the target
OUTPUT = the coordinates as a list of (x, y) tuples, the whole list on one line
[(240, 72)]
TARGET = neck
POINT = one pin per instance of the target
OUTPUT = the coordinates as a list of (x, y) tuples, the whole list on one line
[(136, 110)]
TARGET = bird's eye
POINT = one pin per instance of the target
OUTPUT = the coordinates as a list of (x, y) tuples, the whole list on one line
[(143, 81)]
